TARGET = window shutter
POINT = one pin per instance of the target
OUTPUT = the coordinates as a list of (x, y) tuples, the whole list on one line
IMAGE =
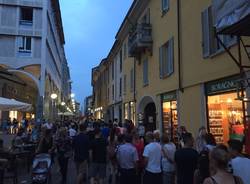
[(170, 57), (206, 33), (161, 62)]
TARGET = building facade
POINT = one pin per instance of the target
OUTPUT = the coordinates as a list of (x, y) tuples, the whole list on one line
[(175, 70), (32, 48)]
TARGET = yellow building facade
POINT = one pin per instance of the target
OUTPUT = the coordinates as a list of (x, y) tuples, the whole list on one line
[(175, 72)]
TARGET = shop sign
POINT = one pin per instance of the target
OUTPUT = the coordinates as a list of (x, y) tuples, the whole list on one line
[(222, 85), (169, 96)]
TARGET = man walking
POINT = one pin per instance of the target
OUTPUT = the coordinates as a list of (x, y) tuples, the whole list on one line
[(186, 160), (127, 157), (98, 158), (152, 156), (81, 145)]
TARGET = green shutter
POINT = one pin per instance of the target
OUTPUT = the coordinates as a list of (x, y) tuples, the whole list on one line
[(170, 57)]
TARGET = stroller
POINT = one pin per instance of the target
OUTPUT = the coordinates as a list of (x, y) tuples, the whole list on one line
[(41, 169)]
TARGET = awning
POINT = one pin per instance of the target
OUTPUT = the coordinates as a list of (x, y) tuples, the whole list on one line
[(232, 16), (66, 114), (13, 105)]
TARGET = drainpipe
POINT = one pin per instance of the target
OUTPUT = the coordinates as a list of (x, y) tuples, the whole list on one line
[(179, 46)]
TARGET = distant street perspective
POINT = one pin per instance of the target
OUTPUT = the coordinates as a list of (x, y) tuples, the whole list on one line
[(124, 92)]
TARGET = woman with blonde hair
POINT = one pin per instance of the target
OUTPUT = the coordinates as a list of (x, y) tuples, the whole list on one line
[(219, 159)]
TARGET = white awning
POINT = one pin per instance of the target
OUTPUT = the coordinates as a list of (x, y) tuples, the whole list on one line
[(229, 12), (66, 114), (13, 105)]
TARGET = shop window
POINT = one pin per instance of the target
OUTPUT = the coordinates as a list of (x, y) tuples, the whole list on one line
[(26, 16), (126, 111), (210, 44), (24, 44), (167, 59), (132, 111), (225, 117), (170, 119)]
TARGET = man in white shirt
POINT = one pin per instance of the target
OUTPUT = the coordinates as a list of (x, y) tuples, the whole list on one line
[(48, 125), (152, 155), (240, 164), (72, 131)]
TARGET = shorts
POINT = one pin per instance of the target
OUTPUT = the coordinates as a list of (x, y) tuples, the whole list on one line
[(97, 170), (81, 167)]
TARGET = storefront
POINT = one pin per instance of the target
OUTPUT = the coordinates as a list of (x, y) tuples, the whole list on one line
[(129, 111), (170, 115), (99, 113), (225, 110)]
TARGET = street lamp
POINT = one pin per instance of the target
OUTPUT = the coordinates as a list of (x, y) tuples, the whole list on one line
[(72, 95), (63, 103), (53, 96)]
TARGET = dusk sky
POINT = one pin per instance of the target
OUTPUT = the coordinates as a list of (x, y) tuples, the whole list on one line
[(90, 27)]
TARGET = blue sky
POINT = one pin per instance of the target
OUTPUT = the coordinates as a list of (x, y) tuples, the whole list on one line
[(90, 27)]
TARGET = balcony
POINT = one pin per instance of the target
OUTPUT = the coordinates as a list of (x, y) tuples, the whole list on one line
[(140, 40)]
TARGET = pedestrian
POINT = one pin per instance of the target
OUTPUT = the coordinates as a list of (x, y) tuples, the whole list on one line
[(46, 142), (105, 131), (63, 146), (186, 160), (240, 164), (219, 159), (180, 132), (168, 165), (157, 136), (98, 158), (72, 131), (139, 145), (81, 146), (200, 141), (127, 158), (210, 142), (152, 158)]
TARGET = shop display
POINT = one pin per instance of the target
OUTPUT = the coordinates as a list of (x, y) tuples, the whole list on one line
[(225, 117), (170, 119)]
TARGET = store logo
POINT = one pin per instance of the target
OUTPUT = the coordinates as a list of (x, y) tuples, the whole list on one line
[(223, 86)]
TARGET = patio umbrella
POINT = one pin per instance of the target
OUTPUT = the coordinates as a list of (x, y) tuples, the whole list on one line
[(13, 105)]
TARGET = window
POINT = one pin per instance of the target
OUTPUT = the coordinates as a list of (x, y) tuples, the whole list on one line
[(26, 16), (145, 72), (209, 42), (124, 84), (167, 59), (108, 94), (165, 5), (125, 51), (120, 87), (132, 80), (113, 70), (120, 60), (24, 44)]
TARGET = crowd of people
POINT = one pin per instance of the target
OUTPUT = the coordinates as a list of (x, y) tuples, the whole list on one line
[(118, 153)]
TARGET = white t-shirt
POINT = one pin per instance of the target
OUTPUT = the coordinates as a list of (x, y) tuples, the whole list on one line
[(153, 152), (48, 125), (241, 168), (169, 149), (72, 132)]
